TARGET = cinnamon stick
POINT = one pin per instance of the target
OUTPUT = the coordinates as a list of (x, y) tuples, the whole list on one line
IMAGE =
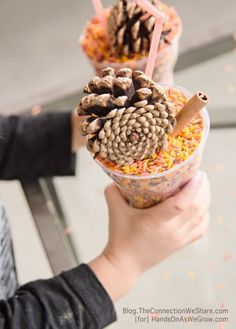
[(195, 104)]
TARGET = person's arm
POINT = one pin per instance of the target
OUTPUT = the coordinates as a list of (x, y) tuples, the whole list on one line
[(141, 239), (73, 300), (138, 240), (36, 146)]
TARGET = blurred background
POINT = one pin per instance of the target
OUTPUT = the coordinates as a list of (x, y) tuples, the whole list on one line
[(54, 226), (41, 59)]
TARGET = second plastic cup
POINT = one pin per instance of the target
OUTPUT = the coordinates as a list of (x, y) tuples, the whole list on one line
[(166, 59), (147, 191), (164, 65)]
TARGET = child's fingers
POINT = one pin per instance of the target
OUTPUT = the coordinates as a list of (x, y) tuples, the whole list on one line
[(192, 215), (200, 231), (114, 198), (174, 206), (198, 218)]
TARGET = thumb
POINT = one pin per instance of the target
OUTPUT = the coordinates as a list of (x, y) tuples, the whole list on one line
[(114, 198), (178, 203)]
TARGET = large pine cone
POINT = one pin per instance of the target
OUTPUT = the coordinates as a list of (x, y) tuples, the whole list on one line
[(128, 116), (129, 30)]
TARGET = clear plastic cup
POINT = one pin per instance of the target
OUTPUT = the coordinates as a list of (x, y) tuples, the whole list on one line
[(164, 66), (147, 191)]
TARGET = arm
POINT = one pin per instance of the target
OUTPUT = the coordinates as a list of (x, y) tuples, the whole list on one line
[(138, 240), (35, 146), (73, 300), (141, 239)]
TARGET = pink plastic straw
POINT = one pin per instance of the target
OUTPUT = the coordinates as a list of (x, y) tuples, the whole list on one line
[(160, 17), (99, 11)]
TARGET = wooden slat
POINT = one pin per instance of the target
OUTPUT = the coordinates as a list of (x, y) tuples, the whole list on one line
[(31, 258)]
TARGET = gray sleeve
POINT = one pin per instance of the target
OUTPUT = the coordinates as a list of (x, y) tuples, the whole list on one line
[(73, 300), (36, 146)]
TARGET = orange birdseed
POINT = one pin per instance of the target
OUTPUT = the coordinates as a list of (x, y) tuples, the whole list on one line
[(178, 148)]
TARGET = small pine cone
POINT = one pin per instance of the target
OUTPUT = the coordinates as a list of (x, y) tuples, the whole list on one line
[(129, 30), (130, 121)]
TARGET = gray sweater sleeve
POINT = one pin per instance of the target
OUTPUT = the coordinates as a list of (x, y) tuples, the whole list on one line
[(36, 146), (73, 300)]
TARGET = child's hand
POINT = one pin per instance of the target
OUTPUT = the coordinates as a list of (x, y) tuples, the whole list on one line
[(144, 238), (140, 239), (77, 140)]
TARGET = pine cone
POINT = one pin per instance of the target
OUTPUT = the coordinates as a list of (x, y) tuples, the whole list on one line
[(128, 33), (128, 116)]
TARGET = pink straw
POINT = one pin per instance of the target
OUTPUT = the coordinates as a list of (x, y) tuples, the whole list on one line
[(160, 17), (99, 11)]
